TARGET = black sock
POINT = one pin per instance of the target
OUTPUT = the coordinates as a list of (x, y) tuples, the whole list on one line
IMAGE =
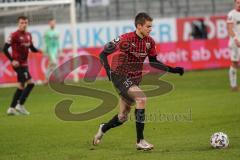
[(25, 93), (140, 118), (114, 122), (16, 97)]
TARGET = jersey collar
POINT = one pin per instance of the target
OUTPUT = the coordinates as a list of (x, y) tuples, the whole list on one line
[(135, 32)]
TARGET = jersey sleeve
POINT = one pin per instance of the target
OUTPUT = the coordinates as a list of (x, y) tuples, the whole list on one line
[(230, 18), (152, 51), (117, 44), (120, 42)]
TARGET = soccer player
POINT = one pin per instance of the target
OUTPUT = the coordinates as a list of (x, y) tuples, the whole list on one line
[(51, 39), (233, 28), (126, 74), (20, 41)]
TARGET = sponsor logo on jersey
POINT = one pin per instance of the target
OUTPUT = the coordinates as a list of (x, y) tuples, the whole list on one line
[(139, 54), (25, 44)]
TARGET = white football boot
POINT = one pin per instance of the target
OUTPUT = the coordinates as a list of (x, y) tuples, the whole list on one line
[(21, 109), (12, 112), (144, 145), (97, 138)]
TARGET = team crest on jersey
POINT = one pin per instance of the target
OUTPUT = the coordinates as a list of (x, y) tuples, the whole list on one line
[(148, 45)]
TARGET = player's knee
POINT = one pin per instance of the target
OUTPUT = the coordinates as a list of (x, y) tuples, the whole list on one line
[(21, 86), (31, 85), (234, 65), (141, 101)]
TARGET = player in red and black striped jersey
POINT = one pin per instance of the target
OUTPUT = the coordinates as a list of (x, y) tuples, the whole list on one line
[(126, 73), (20, 41)]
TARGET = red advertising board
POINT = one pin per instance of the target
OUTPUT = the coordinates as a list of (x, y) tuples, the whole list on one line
[(192, 55)]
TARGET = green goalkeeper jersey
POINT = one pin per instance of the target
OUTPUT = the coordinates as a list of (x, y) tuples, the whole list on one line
[(52, 45)]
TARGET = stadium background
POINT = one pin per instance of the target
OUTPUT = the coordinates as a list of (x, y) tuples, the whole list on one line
[(101, 22)]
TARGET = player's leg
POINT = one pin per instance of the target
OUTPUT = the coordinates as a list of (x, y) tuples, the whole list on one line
[(52, 57), (137, 94), (233, 75), (235, 56), (117, 120), (20, 87), (27, 90), (12, 109)]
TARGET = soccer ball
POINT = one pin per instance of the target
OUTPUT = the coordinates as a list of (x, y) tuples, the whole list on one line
[(219, 140)]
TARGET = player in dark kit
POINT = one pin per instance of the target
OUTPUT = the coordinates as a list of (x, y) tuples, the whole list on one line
[(20, 41), (126, 74)]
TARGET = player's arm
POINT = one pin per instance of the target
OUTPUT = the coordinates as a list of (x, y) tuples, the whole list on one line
[(230, 30), (152, 56), (33, 48), (58, 44), (108, 49), (6, 52), (159, 65), (7, 45)]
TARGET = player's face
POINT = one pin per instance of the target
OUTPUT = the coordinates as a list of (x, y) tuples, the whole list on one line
[(52, 23), (237, 5), (22, 24), (146, 28)]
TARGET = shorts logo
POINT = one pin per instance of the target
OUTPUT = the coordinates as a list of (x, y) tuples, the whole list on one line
[(26, 75), (127, 83)]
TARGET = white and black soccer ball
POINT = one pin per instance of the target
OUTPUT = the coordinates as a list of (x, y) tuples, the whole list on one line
[(219, 140)]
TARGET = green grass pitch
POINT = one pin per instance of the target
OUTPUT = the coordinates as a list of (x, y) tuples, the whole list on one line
[(205, 95)]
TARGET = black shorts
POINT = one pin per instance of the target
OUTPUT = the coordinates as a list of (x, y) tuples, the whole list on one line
[(23, 74), (122, 85)]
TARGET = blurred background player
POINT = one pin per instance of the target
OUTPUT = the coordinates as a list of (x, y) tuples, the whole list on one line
[(133, 48), (20, 41), (52, 47), (199, 29), (233, 27)]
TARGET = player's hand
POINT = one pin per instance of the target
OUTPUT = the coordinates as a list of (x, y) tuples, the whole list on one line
[(237, 42), (15, 63), (178, 70)]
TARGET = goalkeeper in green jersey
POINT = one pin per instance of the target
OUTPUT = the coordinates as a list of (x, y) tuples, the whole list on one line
[(52, 46)]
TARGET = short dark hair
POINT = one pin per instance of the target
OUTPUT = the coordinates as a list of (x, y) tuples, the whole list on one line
[(51, 19), (22, 17), (141, 18)]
